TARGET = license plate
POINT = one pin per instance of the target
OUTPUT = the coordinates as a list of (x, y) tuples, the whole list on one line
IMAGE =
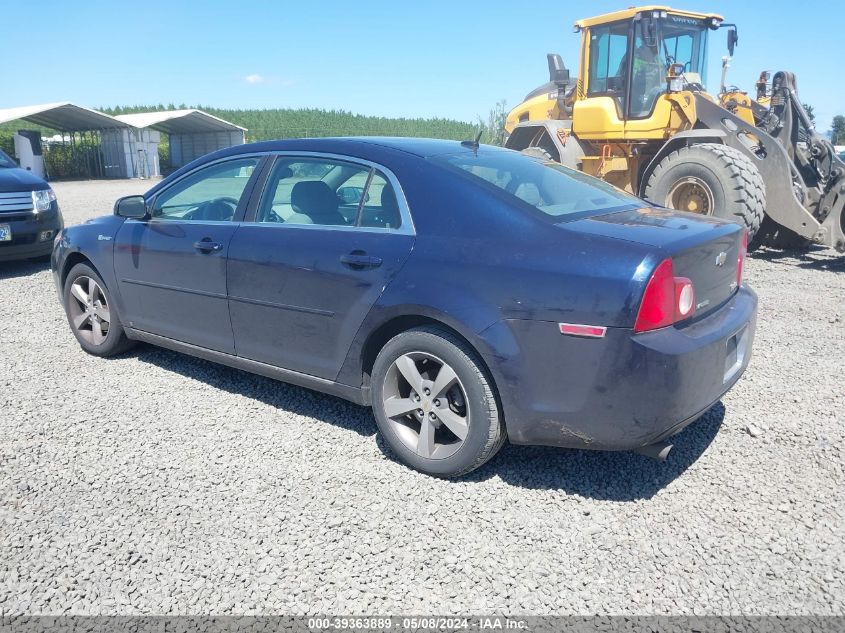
[(5, 233)]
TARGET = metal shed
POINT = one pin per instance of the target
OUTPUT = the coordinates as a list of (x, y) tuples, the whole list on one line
[(192, 133)]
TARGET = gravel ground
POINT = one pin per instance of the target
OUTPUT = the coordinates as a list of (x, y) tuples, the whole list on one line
[(156, 483)]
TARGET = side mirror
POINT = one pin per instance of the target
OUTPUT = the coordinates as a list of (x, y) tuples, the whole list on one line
[(352, 195), (733, 39), (558, 73), (131, 207)]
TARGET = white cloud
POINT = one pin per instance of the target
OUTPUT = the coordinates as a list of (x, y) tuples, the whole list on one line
[(255, 78)]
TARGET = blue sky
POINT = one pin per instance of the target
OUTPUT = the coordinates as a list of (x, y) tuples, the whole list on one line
[(450, 59)]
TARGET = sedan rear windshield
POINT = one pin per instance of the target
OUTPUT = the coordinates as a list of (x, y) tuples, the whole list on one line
[(557, 192)]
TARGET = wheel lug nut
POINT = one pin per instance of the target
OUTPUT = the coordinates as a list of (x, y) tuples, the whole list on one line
[(427, 391), (416, 397), (420, 412), (437, 403), (432, 415)]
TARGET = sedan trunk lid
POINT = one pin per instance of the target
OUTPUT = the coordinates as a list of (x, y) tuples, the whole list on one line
[(703, 249)]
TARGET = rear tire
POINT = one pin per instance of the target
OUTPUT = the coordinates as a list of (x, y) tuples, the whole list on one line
[(711, 179), (92, 314), (422, 415)]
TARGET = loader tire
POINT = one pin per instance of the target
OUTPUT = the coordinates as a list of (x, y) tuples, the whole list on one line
[(538, 152), (711, 179)]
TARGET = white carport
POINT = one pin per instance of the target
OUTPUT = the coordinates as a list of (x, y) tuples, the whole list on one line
[(83, 129), (192, 133), (64, 117), (126, 146)]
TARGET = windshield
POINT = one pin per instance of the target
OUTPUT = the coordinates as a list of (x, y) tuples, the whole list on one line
[(685, 42), (680, 40), (5, 161), (557, 192)]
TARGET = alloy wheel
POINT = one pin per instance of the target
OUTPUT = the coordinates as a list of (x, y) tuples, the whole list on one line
[(426, 405), (89, 310)]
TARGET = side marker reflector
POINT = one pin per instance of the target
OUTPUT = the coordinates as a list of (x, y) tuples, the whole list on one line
[(589, 331)]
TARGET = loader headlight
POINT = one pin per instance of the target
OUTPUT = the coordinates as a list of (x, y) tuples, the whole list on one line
[(41, 200), (676, 84), (675, 78)]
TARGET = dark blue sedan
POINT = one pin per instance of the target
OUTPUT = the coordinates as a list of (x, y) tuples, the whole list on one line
[(468, 294)]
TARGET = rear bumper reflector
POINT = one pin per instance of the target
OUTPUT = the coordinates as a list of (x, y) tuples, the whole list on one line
[(589, 331)]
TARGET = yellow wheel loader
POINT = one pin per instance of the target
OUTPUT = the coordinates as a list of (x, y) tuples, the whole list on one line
[(638, 116)]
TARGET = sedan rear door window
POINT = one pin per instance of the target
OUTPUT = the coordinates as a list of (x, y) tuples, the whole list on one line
[(329, 193), (380, 207), (308, 191)]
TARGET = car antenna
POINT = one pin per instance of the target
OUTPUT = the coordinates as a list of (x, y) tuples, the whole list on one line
[(473, 144)]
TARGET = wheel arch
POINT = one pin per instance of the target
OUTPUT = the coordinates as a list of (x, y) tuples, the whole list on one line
[(553, 136), (71, 260), (398, 323), (681, 139), (534, 134)]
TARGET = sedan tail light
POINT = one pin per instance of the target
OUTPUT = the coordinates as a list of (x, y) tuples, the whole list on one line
[(740, 259), (667, 299)]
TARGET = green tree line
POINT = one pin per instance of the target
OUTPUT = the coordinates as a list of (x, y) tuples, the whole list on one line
[(312, 122), (298, 122), (275, 123), (837, 130)]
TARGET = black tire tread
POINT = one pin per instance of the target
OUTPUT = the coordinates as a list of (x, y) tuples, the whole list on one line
[(497, 434), (744, 179), (119, 345), (535, 151)]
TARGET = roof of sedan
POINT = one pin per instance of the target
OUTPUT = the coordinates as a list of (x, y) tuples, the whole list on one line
[(418, 146)]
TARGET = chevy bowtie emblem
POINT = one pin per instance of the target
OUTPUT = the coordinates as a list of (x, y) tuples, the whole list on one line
[(721, 258)]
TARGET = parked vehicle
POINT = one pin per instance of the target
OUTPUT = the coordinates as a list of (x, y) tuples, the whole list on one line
[(29, 214), (638, 115), (466, 293)]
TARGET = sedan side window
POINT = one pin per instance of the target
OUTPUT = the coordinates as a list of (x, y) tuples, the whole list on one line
[(329, 193), (211, 194), (380, 208), (313, 191)]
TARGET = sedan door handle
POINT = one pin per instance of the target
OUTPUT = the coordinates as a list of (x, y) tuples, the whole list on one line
[(359, 260), (207, 246)]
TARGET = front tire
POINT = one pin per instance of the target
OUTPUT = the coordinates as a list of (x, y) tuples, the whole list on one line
[(91, 313), (434, 403), (710, 179)]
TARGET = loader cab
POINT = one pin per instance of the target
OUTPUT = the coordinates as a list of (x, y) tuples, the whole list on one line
[(627, 60)]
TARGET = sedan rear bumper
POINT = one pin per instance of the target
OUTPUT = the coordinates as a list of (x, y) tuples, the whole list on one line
[(623, 391)]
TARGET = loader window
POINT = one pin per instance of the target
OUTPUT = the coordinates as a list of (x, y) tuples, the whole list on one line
[(685, 42), (648, 75), (608, 54), (681, 41)]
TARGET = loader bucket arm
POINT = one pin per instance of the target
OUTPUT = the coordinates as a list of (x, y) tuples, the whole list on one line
[(794, 199)]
